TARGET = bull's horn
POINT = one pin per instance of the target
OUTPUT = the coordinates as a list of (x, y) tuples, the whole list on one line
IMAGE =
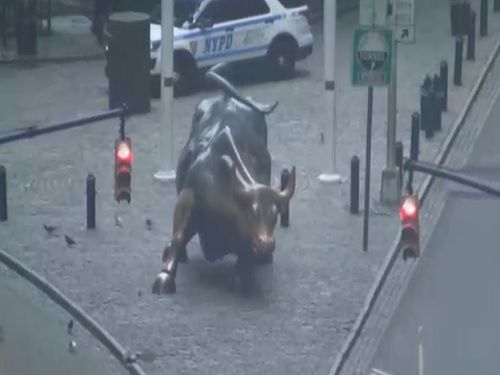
[(229, 89), (265, 109), (284, 196)]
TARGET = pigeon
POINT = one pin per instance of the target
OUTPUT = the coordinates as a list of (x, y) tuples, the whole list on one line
[(72, 346), (69, 240), (149, 224), (70, 326), (139, 293), (118, 221), (49, 229)]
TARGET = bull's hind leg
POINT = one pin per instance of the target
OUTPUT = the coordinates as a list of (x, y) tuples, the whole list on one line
[(183, 231)]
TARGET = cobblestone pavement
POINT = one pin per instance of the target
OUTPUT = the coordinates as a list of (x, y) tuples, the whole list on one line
[(305, 303), (70, 40)]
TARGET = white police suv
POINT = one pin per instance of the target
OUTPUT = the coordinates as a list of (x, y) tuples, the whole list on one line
[(208, 32)]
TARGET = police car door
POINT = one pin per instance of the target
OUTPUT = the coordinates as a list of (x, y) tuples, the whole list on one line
[(218, 41)]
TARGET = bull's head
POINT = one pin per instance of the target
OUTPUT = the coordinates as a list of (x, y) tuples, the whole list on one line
[(258, 209)]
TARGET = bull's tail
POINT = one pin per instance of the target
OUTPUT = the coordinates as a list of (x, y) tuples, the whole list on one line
[(229, 89)]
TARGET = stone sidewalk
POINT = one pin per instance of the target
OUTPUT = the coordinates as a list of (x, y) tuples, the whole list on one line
[(70, 40), (321, 276)]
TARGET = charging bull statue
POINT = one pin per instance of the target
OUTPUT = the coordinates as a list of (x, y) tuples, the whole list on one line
[(223, 186)]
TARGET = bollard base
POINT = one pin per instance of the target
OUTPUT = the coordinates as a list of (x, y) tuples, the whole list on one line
[(165, 176), (390, 194), (330, 178)]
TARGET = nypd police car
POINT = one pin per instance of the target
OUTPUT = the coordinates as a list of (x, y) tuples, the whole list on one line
[(207, 32)]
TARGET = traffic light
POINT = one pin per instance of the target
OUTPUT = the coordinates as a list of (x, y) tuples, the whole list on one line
[(410, 233), (123, 169)]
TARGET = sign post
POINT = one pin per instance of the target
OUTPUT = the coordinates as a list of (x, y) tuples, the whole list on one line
[(371, 66), (167, 130), (401, 19)]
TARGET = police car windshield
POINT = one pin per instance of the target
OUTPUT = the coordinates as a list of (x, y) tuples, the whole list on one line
[(184, 11)]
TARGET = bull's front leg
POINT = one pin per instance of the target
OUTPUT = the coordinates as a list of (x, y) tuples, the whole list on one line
[(183, 231)]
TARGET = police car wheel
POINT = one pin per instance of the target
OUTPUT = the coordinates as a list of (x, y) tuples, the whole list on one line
[(282, 58)]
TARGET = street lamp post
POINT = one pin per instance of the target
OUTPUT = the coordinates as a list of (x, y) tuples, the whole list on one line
[(167, 126), (330, 130)]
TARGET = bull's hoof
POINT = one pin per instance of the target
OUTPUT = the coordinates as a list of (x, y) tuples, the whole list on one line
[(182, 257), (164, 284)]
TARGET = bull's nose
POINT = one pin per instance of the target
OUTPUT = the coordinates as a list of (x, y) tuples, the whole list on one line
[(265, 243)]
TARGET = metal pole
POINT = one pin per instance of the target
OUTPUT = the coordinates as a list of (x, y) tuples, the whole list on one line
[(34, 131), (90, 201), (354, 185), (167, 126), (438, 171), (367, 167), (391, 110), (285, 209), (330, 128), (3, 194), (390, 190)]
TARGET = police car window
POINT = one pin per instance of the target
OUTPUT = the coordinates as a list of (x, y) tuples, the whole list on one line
[(219, 11), (293, 3), (254, 8), (229, 10)]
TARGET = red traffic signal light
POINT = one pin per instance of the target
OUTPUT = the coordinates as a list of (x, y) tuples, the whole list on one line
[(123, 169), (410, 233)]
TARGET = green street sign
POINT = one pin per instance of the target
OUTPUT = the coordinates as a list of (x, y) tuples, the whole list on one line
[(372, 56)]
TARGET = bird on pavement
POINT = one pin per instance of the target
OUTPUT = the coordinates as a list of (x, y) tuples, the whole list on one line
[(149, 224), (72, 346), (49, 229), (69, 240), (70, 326), (118, 221)]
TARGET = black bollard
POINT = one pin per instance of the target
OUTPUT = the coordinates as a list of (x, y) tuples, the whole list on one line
[(355, 185), (443, 77), (3, 194), (483, 18), (431, 126), (459, 52), (438, 91), (285, 210), (496, 5), (415, 136), (425, 91), (471, 37), (90, 201), (399, 159)]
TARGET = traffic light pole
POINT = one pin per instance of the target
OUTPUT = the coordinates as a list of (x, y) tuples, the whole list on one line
[(34, 131), (418, 166)]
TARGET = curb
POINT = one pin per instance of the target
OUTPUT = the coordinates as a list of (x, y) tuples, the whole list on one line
[(46, 60), (423, 191), (83, 318)]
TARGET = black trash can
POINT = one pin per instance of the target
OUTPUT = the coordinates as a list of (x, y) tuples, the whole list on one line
[(128, 61), (26, 28)]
